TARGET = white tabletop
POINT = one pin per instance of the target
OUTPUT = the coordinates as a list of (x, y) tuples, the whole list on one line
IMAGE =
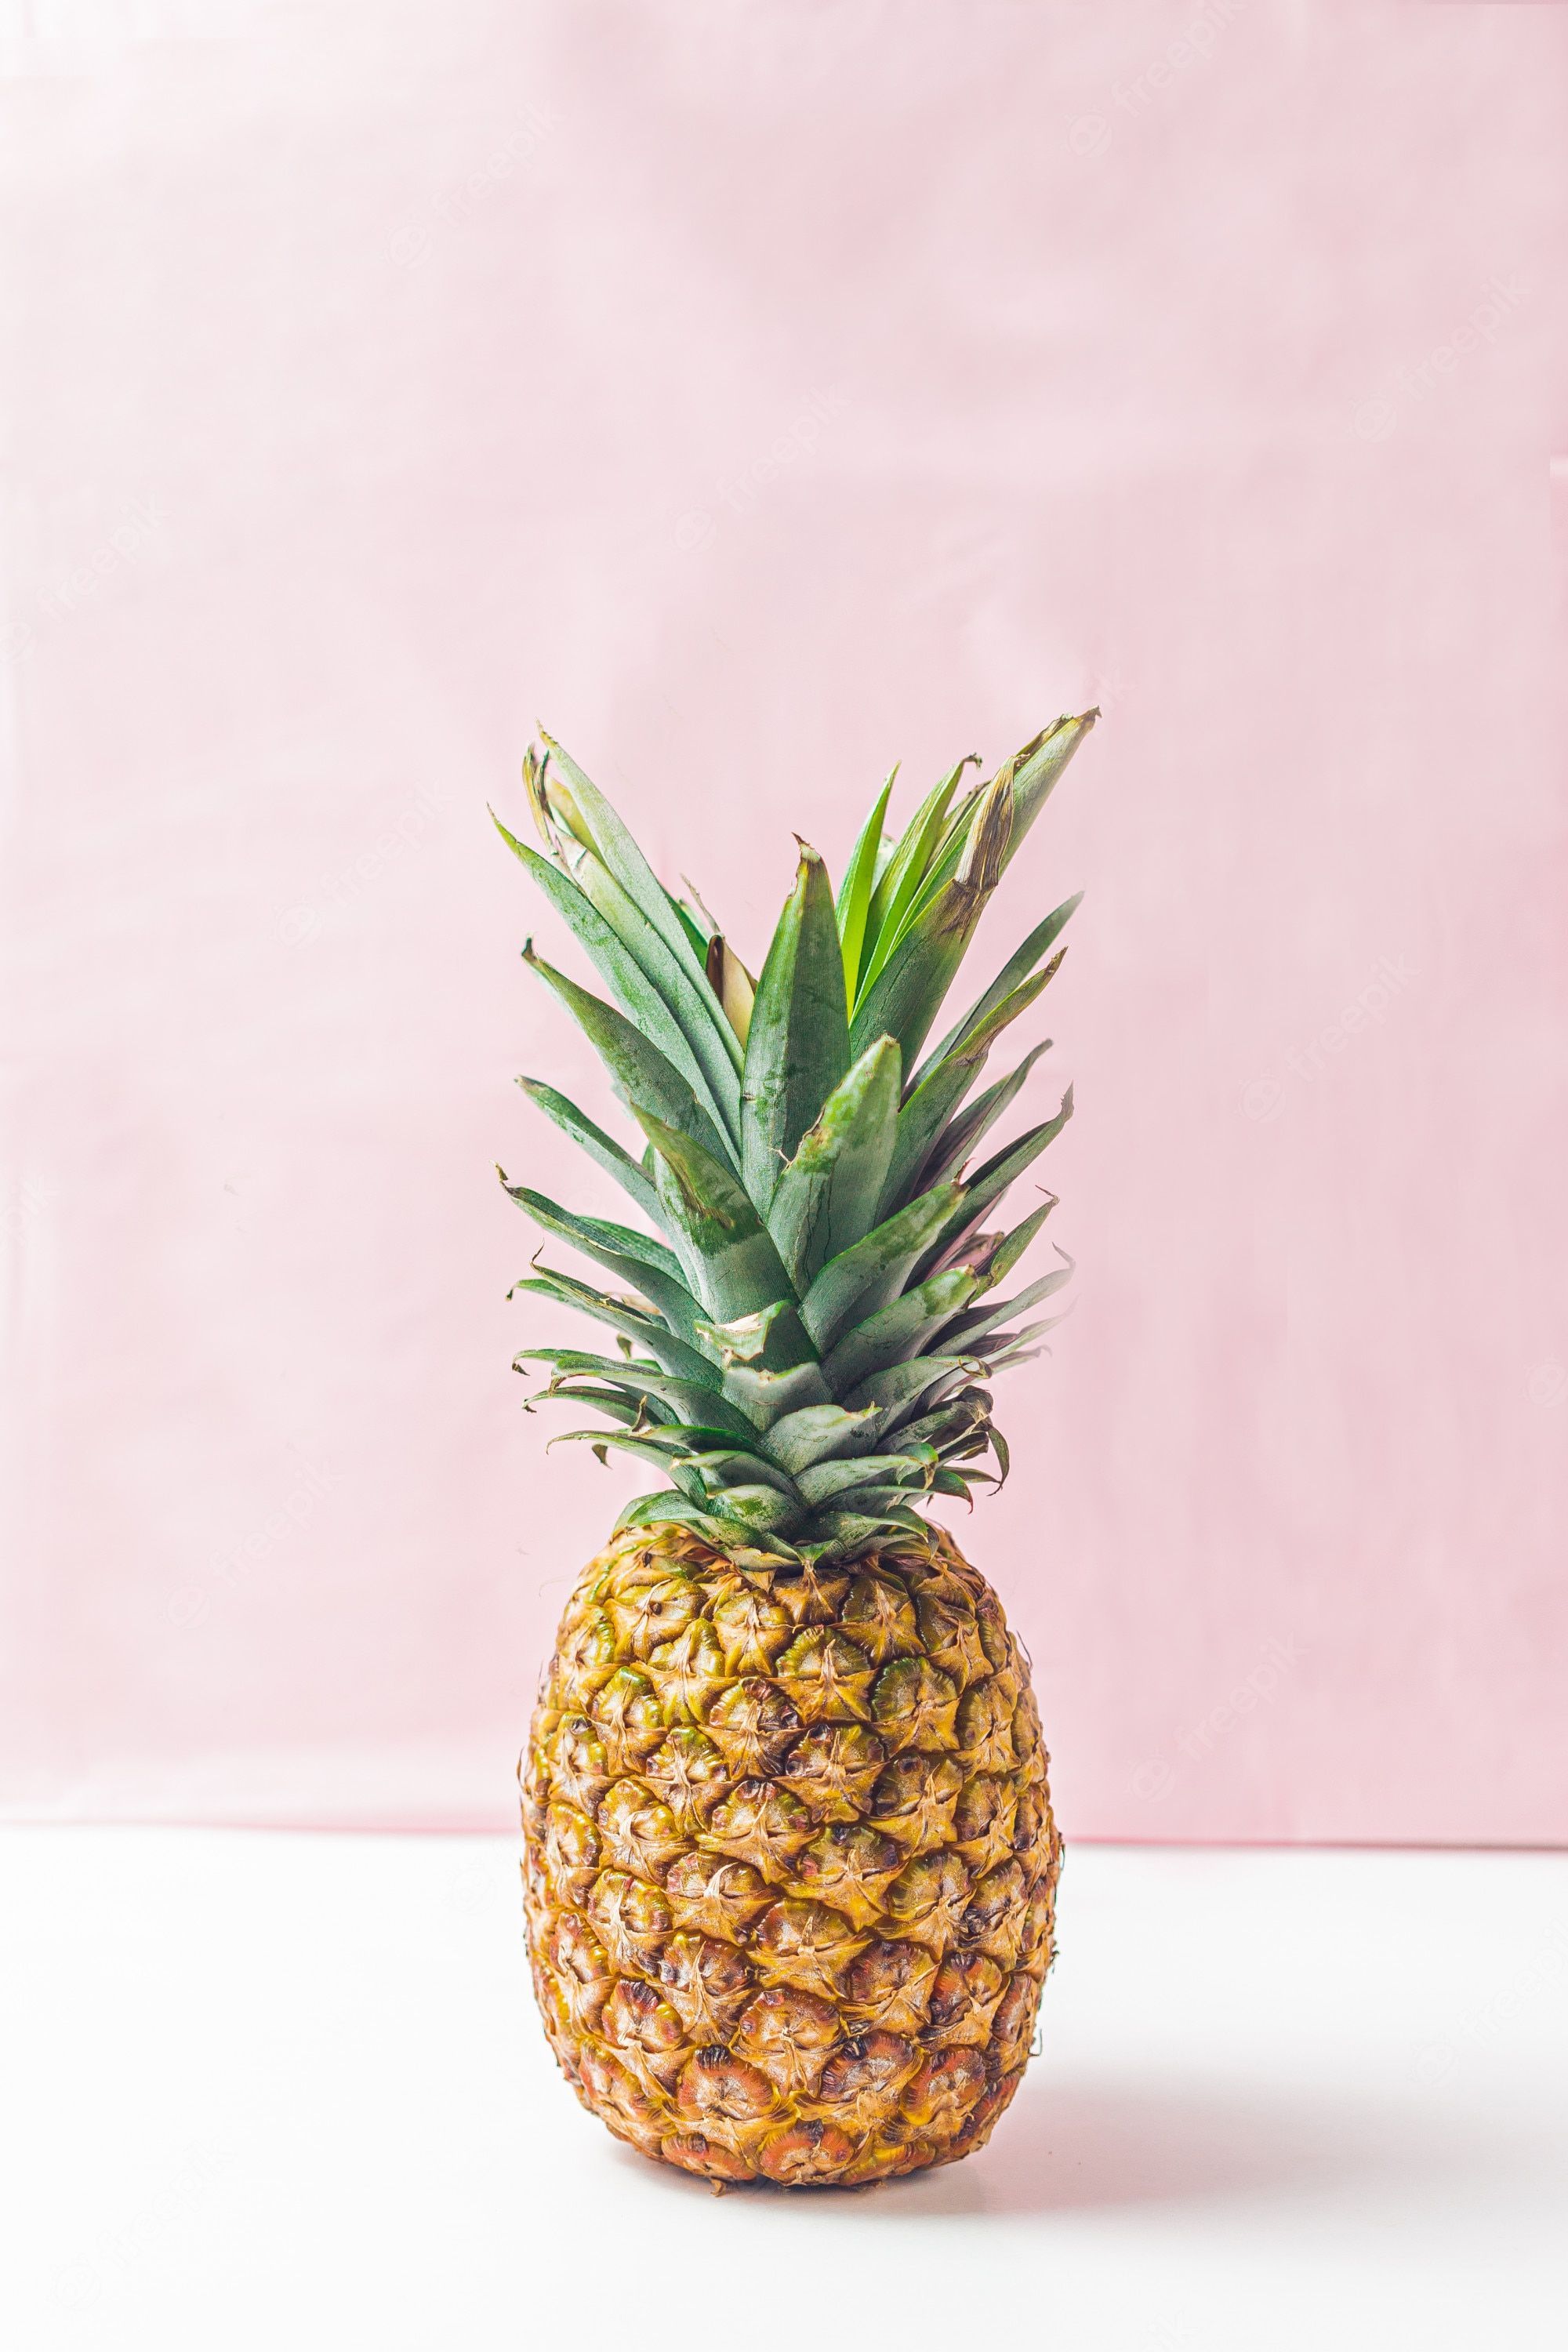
[(265, 2091)]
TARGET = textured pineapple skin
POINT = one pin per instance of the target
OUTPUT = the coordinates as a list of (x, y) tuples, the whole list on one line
[(790, 1866)]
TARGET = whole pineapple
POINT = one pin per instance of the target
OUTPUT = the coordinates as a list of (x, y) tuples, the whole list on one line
[(791, 1863)]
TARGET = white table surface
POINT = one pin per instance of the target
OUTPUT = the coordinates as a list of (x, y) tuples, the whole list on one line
[(267, 2091)]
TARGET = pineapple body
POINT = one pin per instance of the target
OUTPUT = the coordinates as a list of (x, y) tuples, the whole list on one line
[(791, 1863)]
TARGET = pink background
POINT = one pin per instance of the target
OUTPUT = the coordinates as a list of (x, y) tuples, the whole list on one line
[(760, 393)]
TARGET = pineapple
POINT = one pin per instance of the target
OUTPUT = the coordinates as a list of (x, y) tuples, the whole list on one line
[(790, 1859)]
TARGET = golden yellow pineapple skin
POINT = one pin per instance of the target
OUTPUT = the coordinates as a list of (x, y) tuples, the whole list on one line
[(791, 1865)]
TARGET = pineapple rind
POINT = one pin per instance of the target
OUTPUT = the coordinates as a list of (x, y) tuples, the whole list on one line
[(789, 1862)]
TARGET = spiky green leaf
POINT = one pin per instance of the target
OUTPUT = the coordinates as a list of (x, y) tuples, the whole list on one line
[(987, 1185), (613, 843), (598, 1146), (1013, 975), (620, 1315), (734, 1261), (854, 892), (905, 996), (899, 1330), (637, 993), (645, 1081), (902, 879), (815, 1433), (827, 1195), (862, 1278), (797, 1045), (686, 1400), (644, 1266), (957, 1141)]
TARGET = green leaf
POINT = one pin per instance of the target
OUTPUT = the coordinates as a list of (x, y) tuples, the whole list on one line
[(988, 1183), (687, 1399), (899, 1330), (715, 1086), (773, 1338), (734, 1264), (897, 1392), (1038, 767), (619, 852), (849, 1533), (862, 1278), (905, 874), (815, 1433), (766, 1397), (1011, 1247), (645, 1447), (619, 1314), (797, 1047), (965, 1330), (1005, 1348), (645, 1265), (669, 1443), (905, 996), (1014, 973), (920, 1122), (1030, 775), (1021, 1354), (669, 1507), (760, 1508), (827, 1198), (715, 1468), (596, 1144), (696, 1010), (645, 1081), (962, 1422), (957, 1482), (697, 937), (630, 1412), (955, 1144), (855, 895), (826, 1479)]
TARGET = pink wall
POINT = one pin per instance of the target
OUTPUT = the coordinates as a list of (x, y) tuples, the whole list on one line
[(761, 394)]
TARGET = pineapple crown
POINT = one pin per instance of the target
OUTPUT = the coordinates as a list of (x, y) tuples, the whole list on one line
[(806, 1350)]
